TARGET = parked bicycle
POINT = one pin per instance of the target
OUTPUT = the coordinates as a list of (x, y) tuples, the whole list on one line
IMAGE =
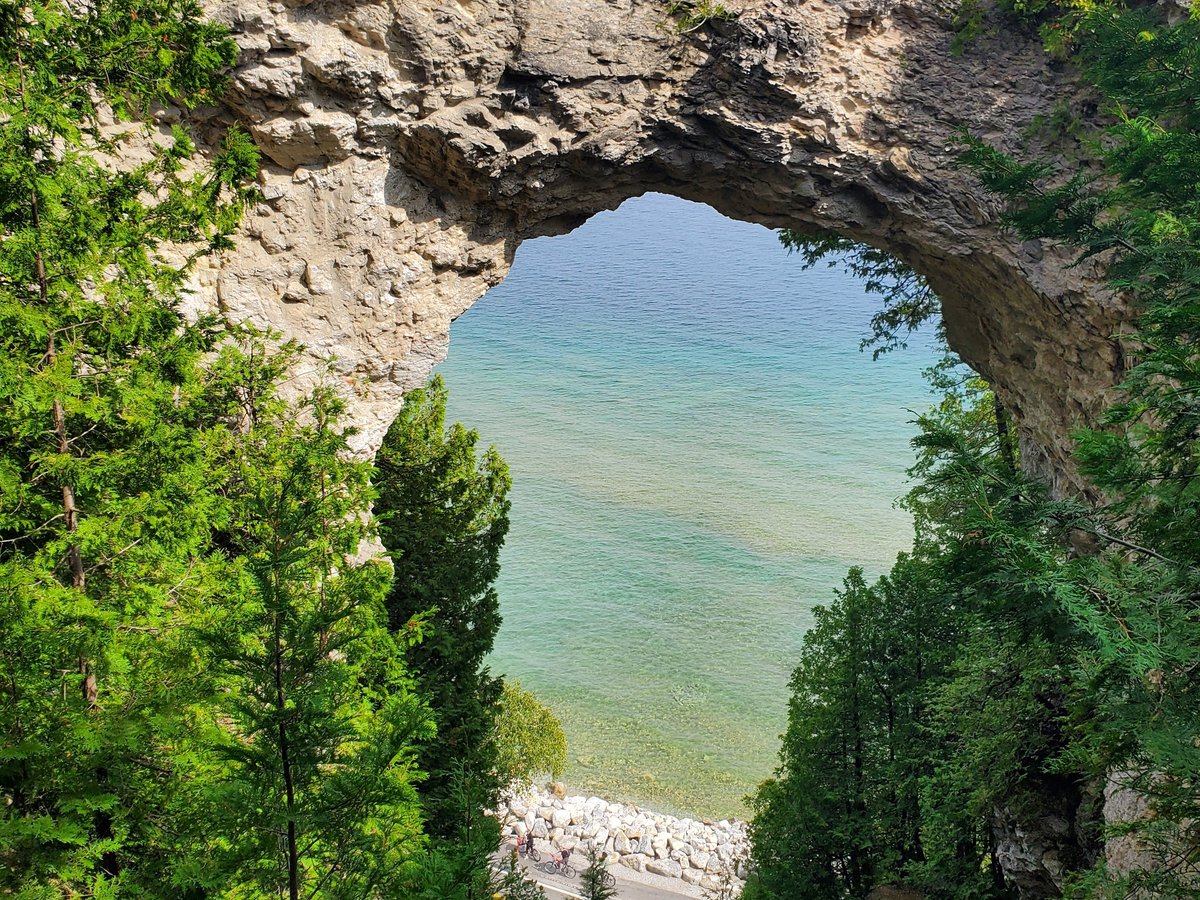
[(601, 861)]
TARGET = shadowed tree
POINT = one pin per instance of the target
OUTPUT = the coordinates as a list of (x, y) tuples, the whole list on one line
[(594, 881), (443, 515)]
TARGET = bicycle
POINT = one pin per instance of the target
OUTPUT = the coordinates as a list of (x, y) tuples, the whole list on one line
[(532, 853), (555, 866), (607, 879)]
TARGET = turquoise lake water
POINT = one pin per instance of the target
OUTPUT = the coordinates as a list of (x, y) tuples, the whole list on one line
[(699, 452)]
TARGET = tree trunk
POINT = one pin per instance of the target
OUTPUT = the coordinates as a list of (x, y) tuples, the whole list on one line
[(1005, 436), (103, 822), (293, 857)]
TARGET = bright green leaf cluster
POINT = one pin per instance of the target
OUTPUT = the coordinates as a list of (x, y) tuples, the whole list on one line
[(529, 738)]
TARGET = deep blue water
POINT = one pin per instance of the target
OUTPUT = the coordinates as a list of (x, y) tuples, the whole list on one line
[(699, 451)]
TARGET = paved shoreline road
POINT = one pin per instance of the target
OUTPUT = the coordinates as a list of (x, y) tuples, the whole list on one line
[(645, 887)]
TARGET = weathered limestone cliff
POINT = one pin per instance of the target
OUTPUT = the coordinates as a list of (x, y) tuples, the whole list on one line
[(412, 144)]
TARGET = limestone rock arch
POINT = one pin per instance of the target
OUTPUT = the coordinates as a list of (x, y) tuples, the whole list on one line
[(413, 144)]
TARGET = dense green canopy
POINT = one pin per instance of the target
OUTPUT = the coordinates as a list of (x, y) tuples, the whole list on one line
[(1031, 652)]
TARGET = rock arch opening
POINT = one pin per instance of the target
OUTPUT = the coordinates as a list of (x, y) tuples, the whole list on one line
[(411, 147), (700, 453)]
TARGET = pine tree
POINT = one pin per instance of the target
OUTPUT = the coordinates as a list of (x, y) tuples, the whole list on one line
[(1138, 211), (443, 516), (512, 883), (315, 729), (103, 538), (928, 703), (459, 866)]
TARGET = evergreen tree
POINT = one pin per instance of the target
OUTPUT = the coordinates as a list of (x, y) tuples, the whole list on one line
[(513, 884), (103, 538), (933, 704), (1134, 595), (443, 515), (317, 719), (843, 813), (460, 866)]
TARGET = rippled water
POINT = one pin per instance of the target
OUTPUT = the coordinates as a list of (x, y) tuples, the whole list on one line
[(699, 452)]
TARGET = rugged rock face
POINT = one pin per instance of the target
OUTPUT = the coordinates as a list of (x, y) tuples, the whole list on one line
[(1046, 830), (413, 144)]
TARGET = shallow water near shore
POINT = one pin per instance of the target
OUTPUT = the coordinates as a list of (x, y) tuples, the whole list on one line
[(699, 451)]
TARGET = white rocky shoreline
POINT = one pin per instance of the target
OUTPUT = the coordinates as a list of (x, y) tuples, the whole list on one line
[(699, 852)]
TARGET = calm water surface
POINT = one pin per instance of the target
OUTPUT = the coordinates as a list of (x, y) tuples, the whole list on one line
[(699, 452)]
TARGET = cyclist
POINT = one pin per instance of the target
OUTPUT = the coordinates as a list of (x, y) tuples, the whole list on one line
[(529, 842), (566, 855)]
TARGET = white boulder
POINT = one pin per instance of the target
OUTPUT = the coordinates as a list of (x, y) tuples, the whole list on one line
[(668, 868)]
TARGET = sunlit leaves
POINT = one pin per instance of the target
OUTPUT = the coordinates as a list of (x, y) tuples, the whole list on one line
[(97, 369)]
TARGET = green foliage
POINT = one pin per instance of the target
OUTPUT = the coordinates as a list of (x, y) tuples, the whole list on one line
[(315, 720), (1134, 596), (105, 550), (929, 701), (591, 880), (1071, 628), (692, 15), (443, 515), (1077, 627), (459, 866), (199, 693), (529, 738), (513, 884), (908, 301), (847, 810), (979, 18)]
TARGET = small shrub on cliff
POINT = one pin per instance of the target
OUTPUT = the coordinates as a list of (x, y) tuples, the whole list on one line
[(691, 15)]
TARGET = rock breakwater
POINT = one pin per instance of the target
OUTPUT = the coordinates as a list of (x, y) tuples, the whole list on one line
[(699, 852)]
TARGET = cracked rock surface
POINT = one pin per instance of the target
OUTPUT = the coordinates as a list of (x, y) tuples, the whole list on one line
[(410, 146)]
